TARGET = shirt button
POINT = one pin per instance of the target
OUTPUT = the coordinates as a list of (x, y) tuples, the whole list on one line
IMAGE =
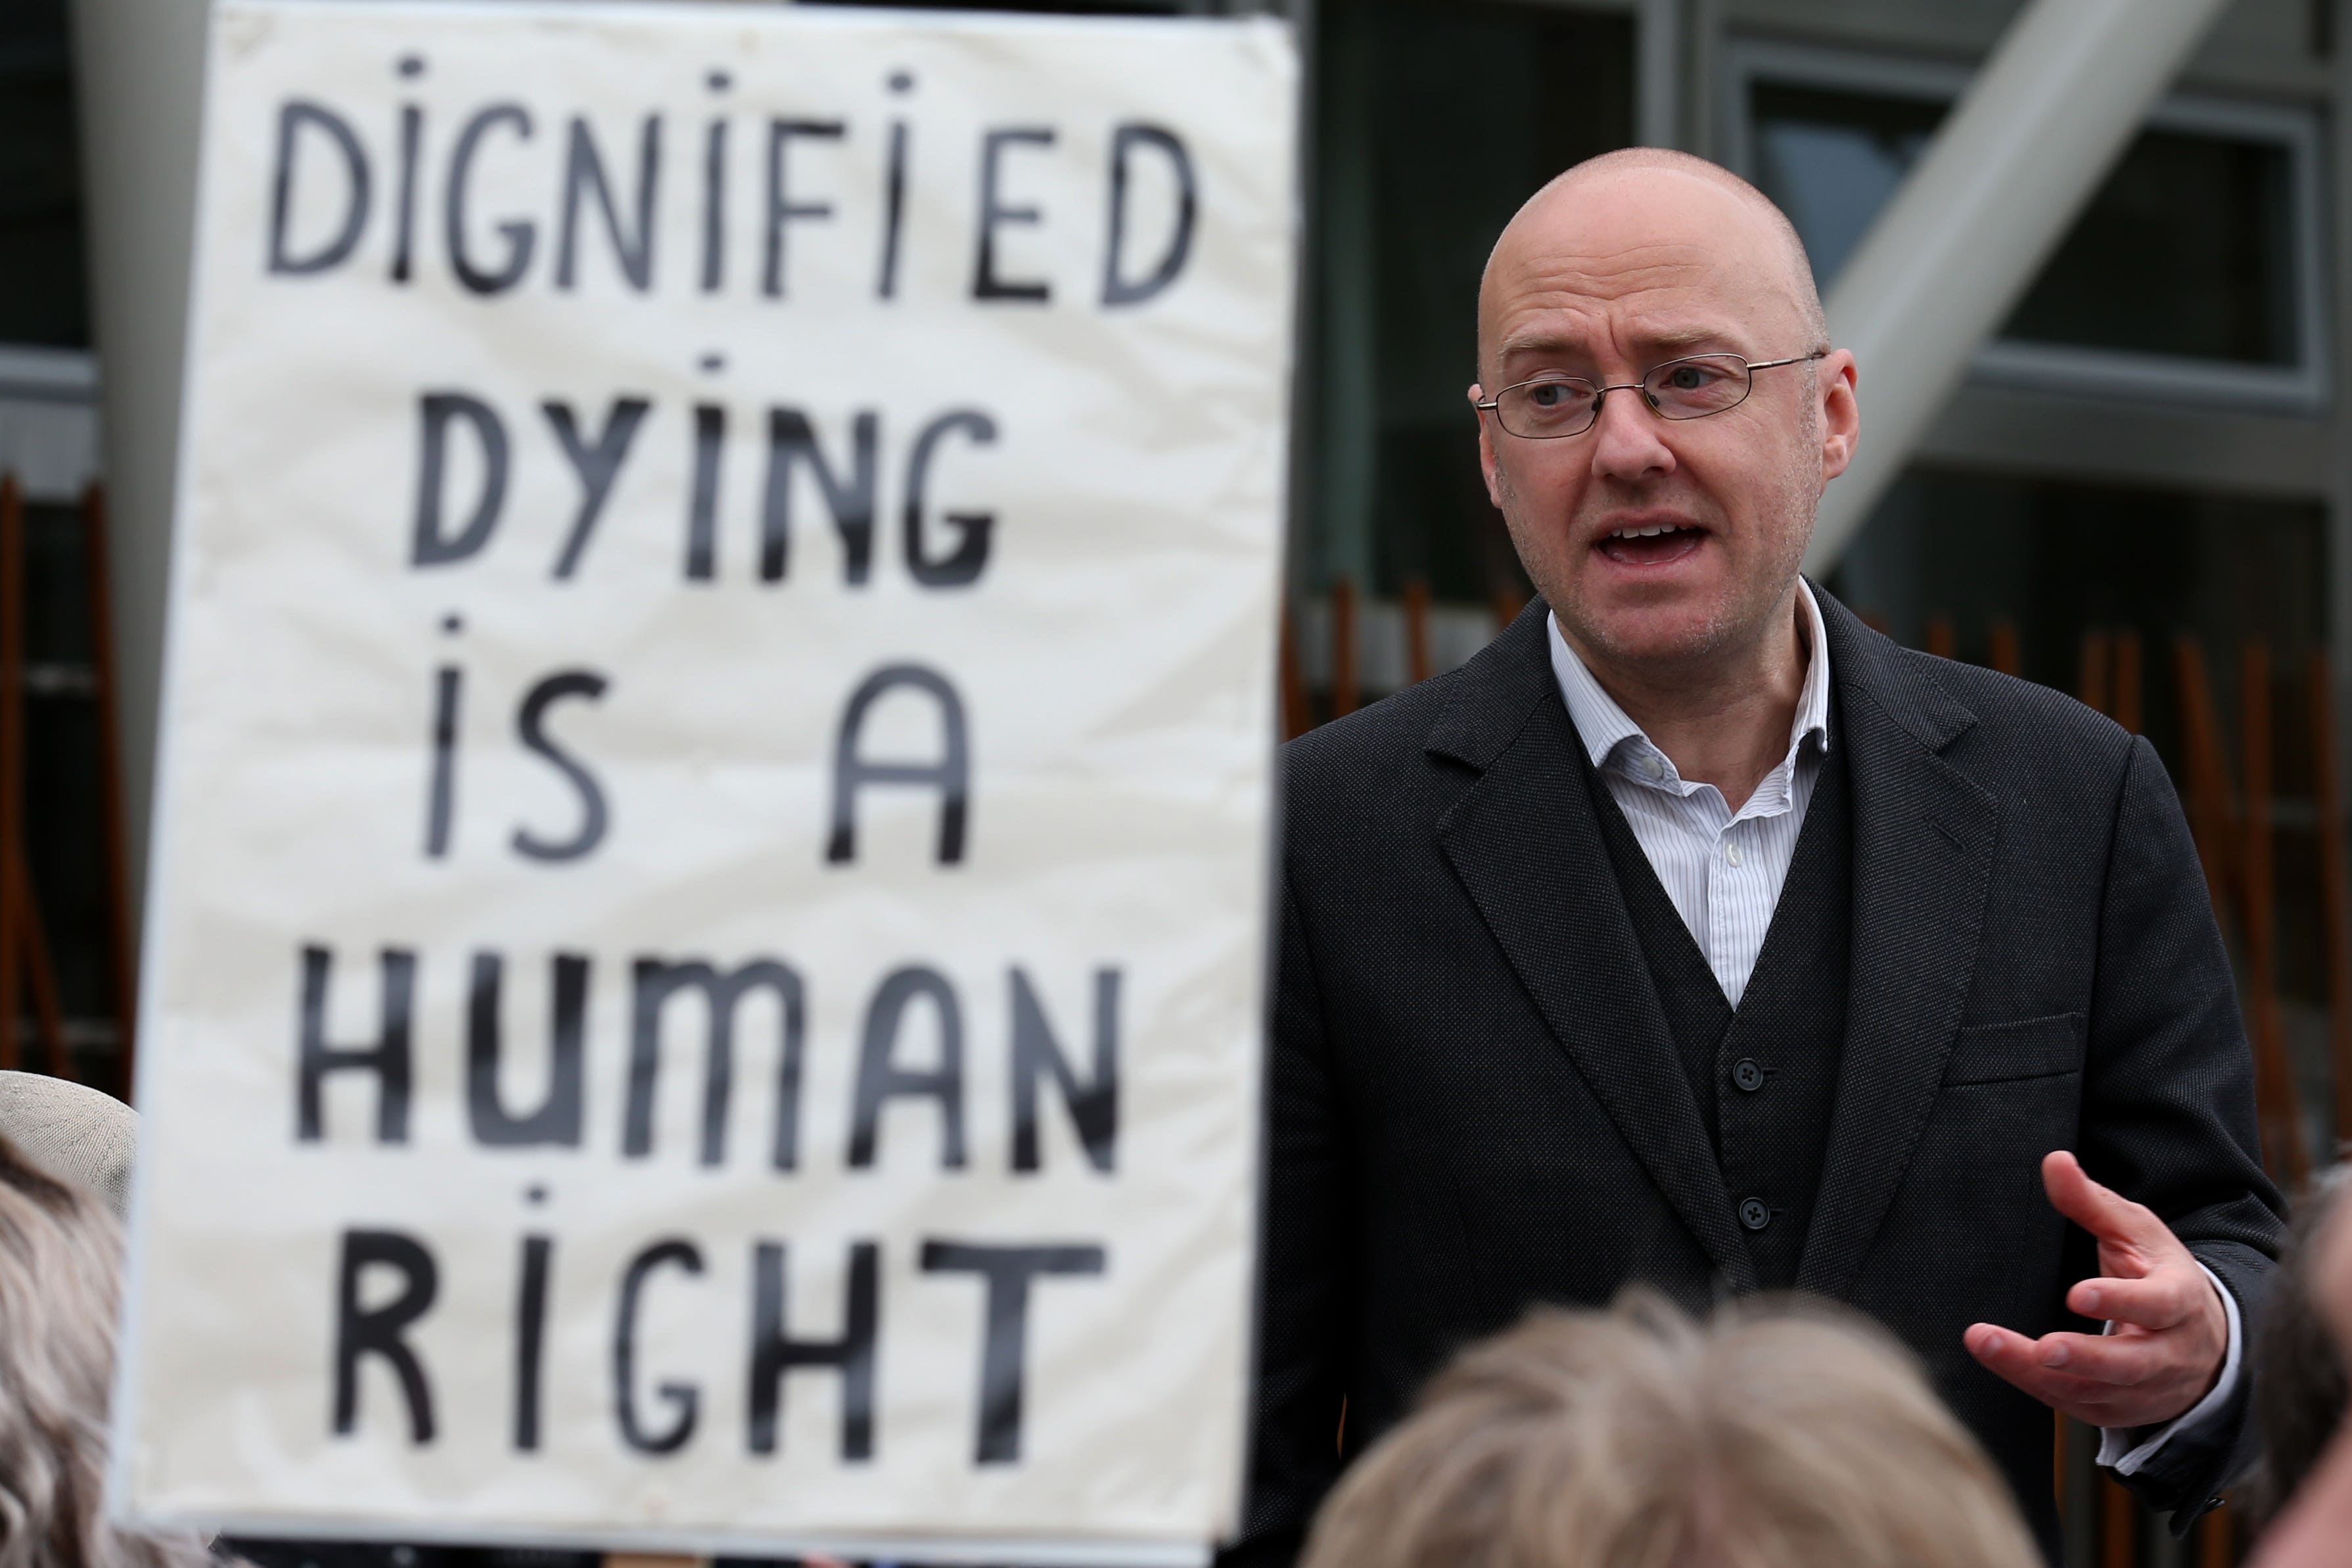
[(1747, 1074), (1731, 853), (1754, 1215), (1655, 768)]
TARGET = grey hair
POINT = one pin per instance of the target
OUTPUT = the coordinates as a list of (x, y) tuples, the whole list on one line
[(61, 1287), (1783, 1436)]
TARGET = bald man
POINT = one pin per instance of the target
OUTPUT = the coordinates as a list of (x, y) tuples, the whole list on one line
[(1694, 934)]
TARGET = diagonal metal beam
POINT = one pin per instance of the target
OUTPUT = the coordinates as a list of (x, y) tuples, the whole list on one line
[(2037, 130)]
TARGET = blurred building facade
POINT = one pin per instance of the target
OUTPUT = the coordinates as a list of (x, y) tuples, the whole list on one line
[(2158, 443), (2158, 440)]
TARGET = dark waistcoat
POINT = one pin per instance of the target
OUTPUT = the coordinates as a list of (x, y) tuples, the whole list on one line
[(1765, 1076)]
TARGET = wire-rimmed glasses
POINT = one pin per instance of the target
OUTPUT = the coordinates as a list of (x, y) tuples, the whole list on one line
[(1551, 405)]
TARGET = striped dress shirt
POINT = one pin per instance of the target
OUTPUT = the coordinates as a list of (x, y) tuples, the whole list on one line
[(1722, 868)]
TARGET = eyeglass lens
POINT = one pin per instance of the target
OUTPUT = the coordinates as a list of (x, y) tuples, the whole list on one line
[(1681, 389)]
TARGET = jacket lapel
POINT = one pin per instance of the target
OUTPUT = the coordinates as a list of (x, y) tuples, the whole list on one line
[(1528, 847), (1922, 847)]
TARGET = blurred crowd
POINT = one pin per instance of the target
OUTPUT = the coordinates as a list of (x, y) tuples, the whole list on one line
[(1779, 1434)]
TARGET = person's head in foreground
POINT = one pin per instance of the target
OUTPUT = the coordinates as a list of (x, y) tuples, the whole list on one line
[(60, 1281), (1659, 411), (2315, 1530), (2299, 1395), (1781, 1438)]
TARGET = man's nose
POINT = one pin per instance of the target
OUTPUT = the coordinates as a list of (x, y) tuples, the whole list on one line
[(1627, 443)]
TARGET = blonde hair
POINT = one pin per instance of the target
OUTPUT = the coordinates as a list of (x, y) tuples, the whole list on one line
[(60, 1285), (1787, 1437)]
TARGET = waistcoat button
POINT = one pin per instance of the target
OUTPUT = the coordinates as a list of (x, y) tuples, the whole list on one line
[(1754, 1215), (1747, 1074)]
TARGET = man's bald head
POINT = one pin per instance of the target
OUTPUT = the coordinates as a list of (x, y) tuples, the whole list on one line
[(1665, 542), (1678, 192)]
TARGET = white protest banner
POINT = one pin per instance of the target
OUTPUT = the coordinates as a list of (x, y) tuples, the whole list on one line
[(709, 923)]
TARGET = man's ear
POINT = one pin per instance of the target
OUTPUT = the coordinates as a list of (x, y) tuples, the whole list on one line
[(1485, 448), (1841, 413)]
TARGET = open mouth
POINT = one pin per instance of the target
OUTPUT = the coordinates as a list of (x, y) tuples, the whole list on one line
[(1650, 544)]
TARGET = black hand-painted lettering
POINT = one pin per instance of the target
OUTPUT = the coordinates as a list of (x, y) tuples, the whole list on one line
[(702, 511), (655, 982), (388, 1059), (791, 441), (1093, 1104), (993, 214), (951, 776), (441, 798), (530, 728), (1009, 1271), (432, 545), (596, 466), (894, 212), (1117, 287), (853, 1355), (531, 1338), (682, 1397), (556, 1120), (294, 114), (381, 1330), (963, 565), (781, 208), (584, 171), (403, 215), (714, 207), (881, 1079), (520, 234)]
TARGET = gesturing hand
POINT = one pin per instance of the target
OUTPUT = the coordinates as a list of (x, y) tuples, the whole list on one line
[(2171, 1333)]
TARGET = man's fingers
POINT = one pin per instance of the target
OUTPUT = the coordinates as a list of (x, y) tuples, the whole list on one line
[(2107, 1215), (2101, 1358), (2157, 1302), (2017, 1360)]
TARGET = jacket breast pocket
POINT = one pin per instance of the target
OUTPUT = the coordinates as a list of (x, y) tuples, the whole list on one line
[(2009, 1053)]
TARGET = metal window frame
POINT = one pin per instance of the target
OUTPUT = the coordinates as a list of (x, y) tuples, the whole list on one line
[(2304, 387), (47, 375), (48, 419)]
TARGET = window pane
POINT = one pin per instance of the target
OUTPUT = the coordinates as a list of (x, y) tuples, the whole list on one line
[(2061, 557), (1832, 160), (2187, 248), (42, 299), (1437, 117)]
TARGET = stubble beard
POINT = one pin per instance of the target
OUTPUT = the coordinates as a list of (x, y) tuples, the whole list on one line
[(1744, 616)]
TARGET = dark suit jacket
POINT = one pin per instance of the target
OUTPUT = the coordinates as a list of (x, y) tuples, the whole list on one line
[(1476, 1105)]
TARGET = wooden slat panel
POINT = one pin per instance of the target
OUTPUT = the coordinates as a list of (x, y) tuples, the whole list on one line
[(2335, 882), (1418, 666), (1943, 637), (2281, 1099), (2008, 648), (121, 953), (2092, 687), (2126, 683), (1345, 683), (11, 759), (1296, 719)]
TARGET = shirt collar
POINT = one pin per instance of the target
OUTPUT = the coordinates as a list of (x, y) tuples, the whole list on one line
[(1603, 726)]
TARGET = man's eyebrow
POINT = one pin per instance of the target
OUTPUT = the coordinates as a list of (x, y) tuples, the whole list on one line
[(1674, 339), (1541, 343), (1664, 343)]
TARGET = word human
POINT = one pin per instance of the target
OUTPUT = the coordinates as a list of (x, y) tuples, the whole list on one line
[(1033, 1057), (657, 197)]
